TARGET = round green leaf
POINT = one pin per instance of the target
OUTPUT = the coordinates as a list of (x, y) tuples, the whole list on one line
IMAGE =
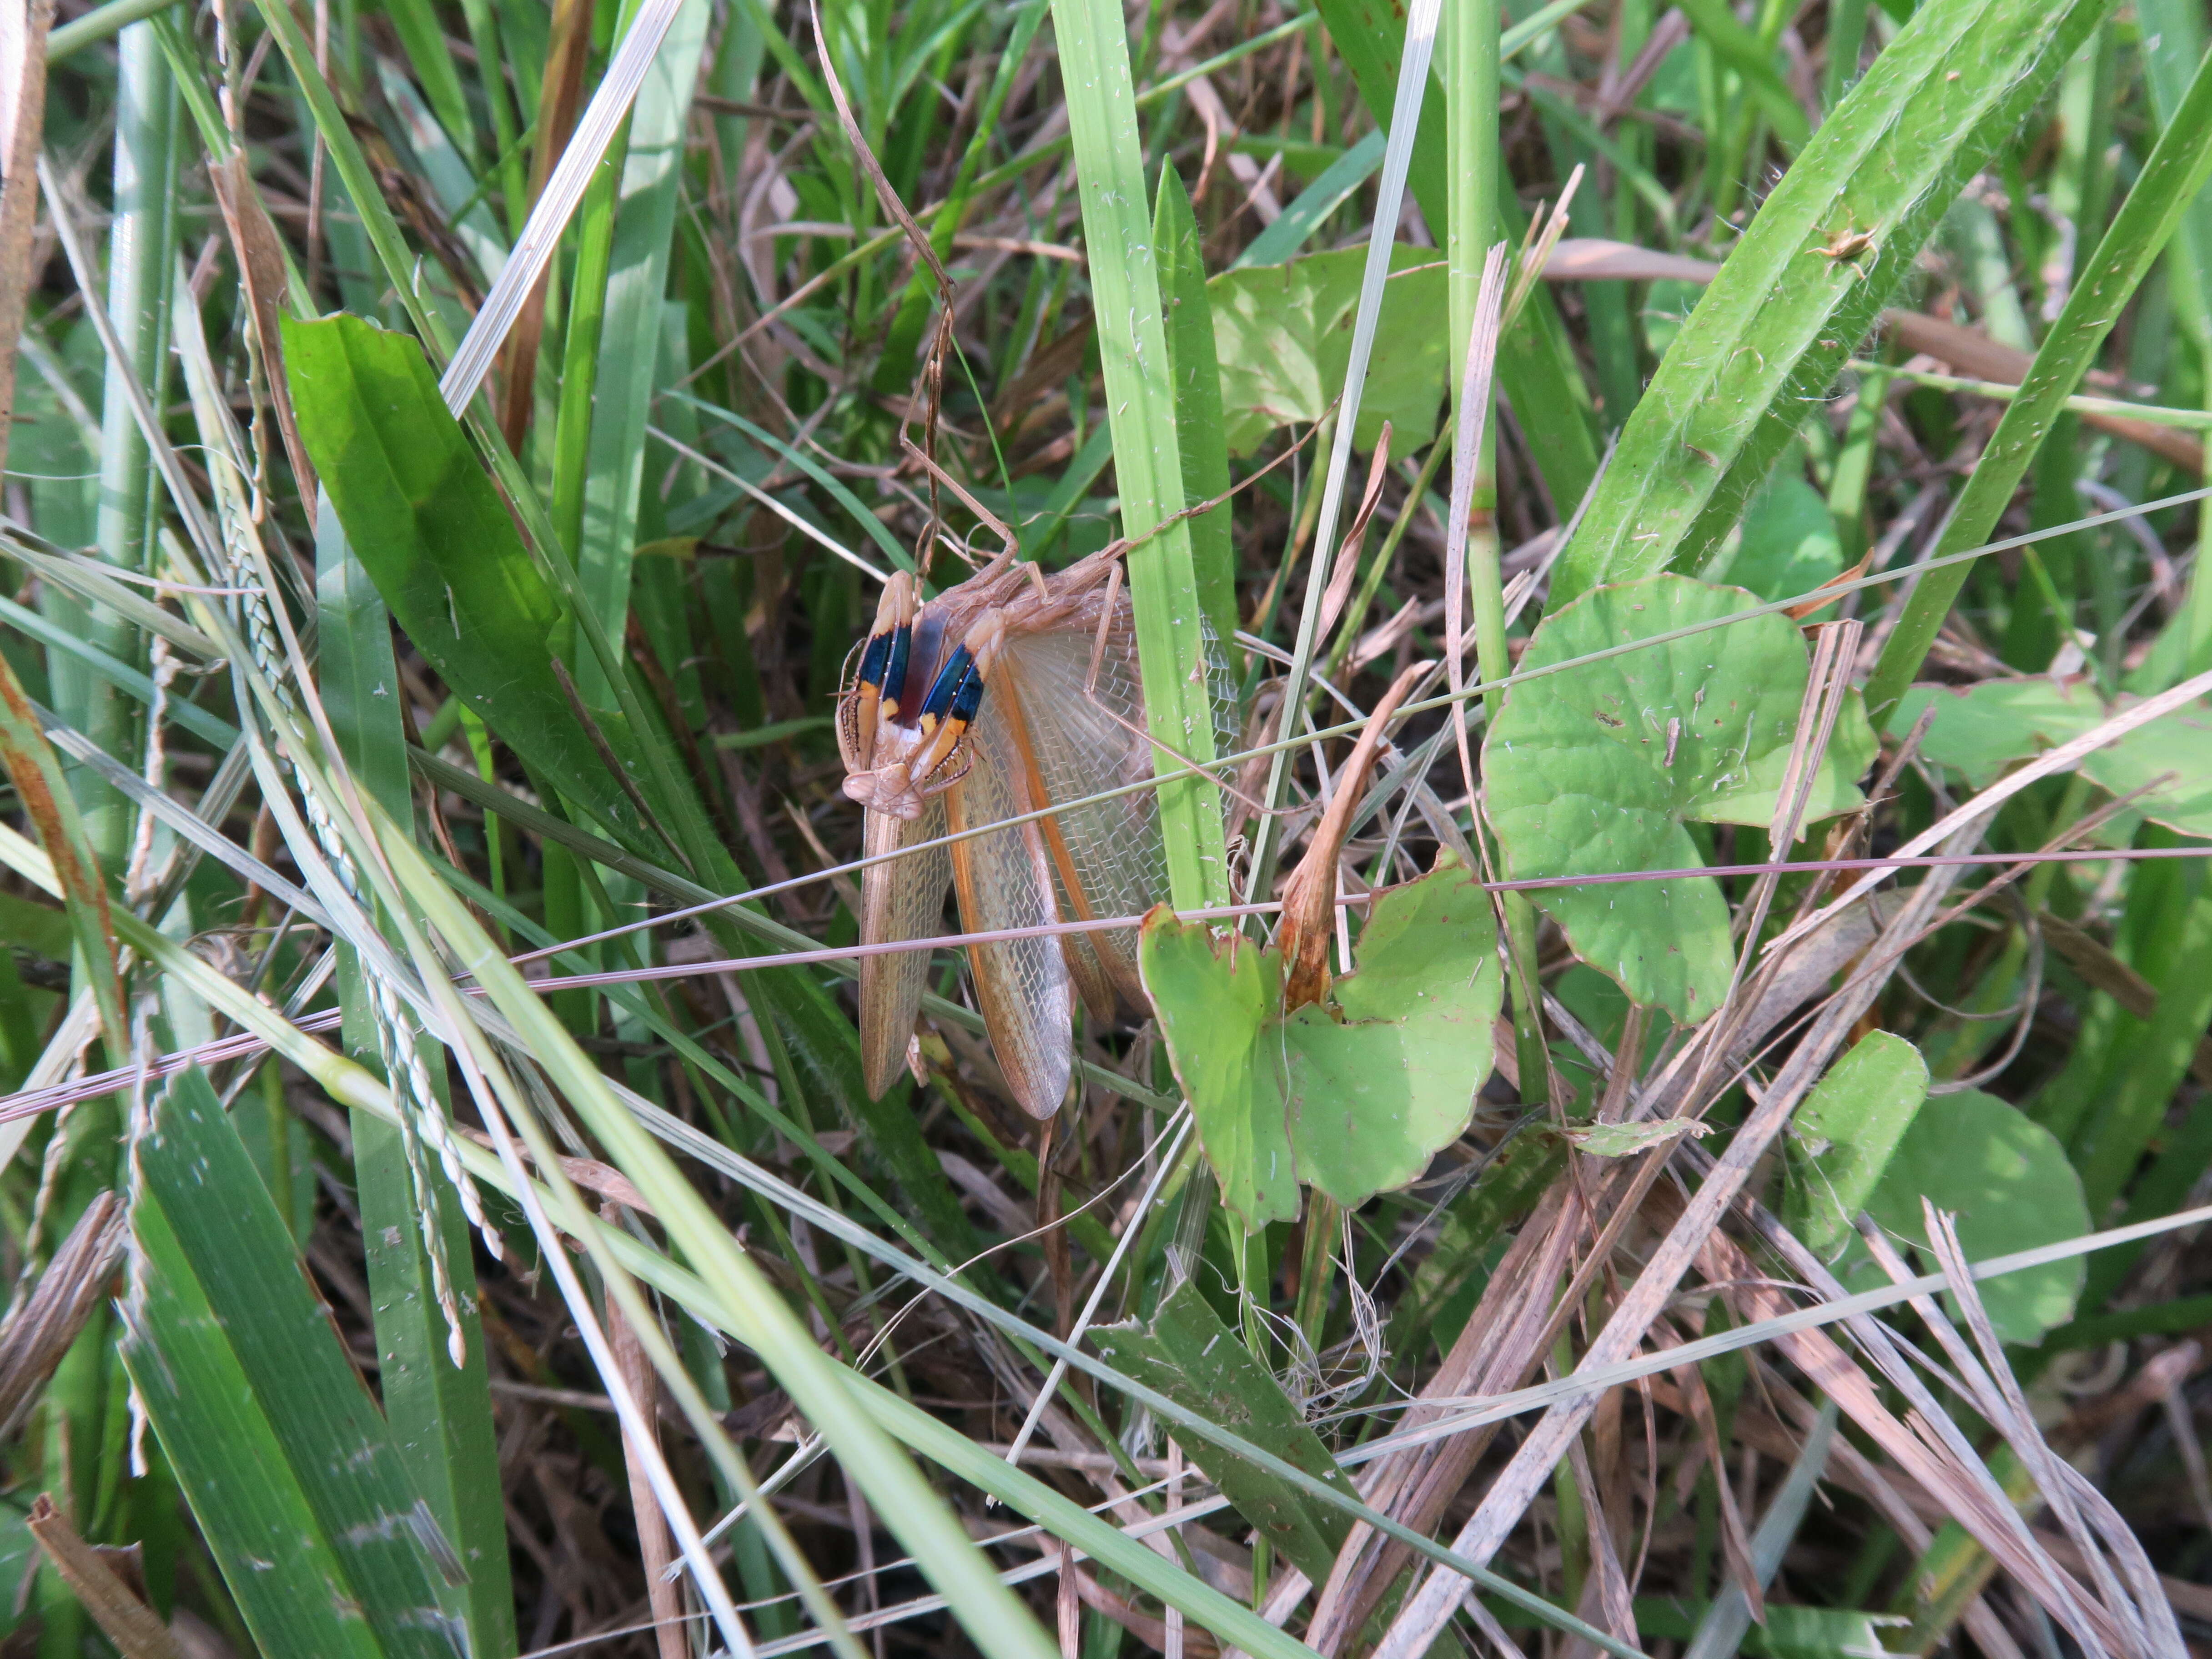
[(2006, 1178), (1981, 730), (1595, 769), (2173, 753), (1217, 997), (1843, 1137), (1354, 1096), (1385, 1075)]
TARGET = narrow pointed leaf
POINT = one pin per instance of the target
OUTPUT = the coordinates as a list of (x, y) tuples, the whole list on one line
[(325, 1545)]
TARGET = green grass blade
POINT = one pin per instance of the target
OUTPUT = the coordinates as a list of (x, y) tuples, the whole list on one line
[(422, 39), (100, 24), (142, 250), (1199, 429), (541, 234), (1164, 586), (748, 1307), (1535, 365), (1742, 51), (1408, 129), (441, 1416), (2172, 176), (579, 365), (1304, 216), (2187, 647), (360, 180), (630, 329), (1771, 332), (300, 1493)]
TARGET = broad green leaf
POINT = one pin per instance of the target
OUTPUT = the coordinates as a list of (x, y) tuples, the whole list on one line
[(1789, 546), (1596, 769), (1354, 1096), (2006, 1179), (427, 523), (1284, 335), (1222, 1001), (1384, 1076), (1842, 1137), (1774, 328), (1188, 1354), (2173, 753), (299, 1492), (1981, 730)]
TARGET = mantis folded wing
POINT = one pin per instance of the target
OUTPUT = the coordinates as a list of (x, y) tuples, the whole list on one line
[(1002, 697)]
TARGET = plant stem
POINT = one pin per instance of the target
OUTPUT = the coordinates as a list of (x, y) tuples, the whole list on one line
[(141, 243), (1472, 42)]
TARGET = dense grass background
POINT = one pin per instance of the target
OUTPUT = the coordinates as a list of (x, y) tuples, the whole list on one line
[(451, 452)]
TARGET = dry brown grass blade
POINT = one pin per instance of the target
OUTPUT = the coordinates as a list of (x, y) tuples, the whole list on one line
[(1498, 1347), (1310, 896), (22, 128), (1427, 1610), (74, 1282), (1347, 557), (1850, 1466), (1467, 453), (1810, 607), (655, 1548), (1824, 1364), (122, 1616), (260, 256), (1735, 1538), (558, 100), (1984, 805), (1606, 1600), (1932, 1451), (2082, 1511)]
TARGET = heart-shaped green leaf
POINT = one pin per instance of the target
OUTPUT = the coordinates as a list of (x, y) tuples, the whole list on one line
[(1981, 730), (1283, 334), (1596, 769), (1842, 1137), (1354, 1096), (2006, 1179), (2174, 754)]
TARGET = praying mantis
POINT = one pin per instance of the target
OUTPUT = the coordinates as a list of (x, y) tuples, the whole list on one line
[(1007, 694)]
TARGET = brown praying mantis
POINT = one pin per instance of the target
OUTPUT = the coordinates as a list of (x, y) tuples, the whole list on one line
[(1014, 691), (1002, 695)]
